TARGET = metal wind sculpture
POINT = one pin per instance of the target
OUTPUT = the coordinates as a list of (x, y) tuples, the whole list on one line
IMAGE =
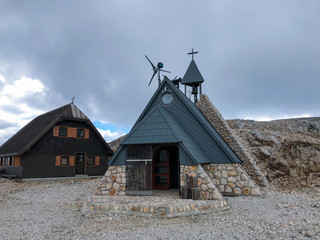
[(157, 69)]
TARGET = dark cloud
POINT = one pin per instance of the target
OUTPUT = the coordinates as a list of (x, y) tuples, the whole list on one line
[(257, 58), (5, 124)]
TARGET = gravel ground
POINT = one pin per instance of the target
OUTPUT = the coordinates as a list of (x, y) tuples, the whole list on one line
[(51, 210)]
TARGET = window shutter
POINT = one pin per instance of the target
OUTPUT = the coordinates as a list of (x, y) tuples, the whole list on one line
[(17, 161), (97, 160), (72, 132), (58, 160), (56, 131), (71, 161), (86, 133)]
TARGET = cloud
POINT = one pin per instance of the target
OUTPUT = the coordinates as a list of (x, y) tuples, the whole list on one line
[(268, 118), (22, 88), (2, 79), (15, 111), (257, 58), (108, 135)]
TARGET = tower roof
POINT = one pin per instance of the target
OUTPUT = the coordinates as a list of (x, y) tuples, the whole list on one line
[(192, 75)]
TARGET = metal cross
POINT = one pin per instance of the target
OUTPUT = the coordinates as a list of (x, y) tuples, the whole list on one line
[(192, 53), (73, 99)]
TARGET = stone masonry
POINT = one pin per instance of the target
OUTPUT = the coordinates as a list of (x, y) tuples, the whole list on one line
[(208, 190), (231, 179), (113, 182), (222, 127), (211, 180)]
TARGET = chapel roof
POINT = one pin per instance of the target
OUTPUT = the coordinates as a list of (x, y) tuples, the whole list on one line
[(179, 122)]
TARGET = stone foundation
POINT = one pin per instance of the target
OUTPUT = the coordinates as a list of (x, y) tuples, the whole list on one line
[(231, 179), (208, 190), (217, 121), (113, 182), (211, 180)]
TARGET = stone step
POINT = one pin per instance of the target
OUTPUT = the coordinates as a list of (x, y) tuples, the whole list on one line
[(149, 206)]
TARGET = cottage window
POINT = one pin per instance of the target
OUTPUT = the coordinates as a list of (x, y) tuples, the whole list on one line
[(80, 133), (1, 161), (64, 161), (91, 160), (63, 131), (10, 161)]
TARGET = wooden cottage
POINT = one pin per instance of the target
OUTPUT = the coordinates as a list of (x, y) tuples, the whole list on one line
[(59, 143)]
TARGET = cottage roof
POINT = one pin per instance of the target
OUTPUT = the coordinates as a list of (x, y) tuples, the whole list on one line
[(35, 129)]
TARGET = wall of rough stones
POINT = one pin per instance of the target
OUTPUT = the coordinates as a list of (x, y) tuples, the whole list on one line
[(208, 190), (222, 127), (113, 182), (231, 179), (211, 180)]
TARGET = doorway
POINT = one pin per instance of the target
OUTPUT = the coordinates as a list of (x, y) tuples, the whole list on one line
[(80, 160), (165, 168)]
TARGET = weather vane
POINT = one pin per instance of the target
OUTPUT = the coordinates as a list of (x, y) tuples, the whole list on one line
[(156, 70), (192, 53)]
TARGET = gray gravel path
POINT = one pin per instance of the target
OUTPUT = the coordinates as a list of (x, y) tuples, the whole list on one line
[(52, 211)]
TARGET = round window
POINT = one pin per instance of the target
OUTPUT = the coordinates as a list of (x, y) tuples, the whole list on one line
[(166, 98)]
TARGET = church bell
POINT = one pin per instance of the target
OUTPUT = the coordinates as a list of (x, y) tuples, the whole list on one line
[(194, 89)]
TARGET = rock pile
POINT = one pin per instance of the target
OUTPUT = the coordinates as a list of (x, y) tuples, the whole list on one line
[(288, 150)]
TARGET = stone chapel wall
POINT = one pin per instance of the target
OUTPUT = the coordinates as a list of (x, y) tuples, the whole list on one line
[(231, 179), (208, 190), (113, 182)]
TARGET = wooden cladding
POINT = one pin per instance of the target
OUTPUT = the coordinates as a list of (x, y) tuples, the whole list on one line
[(71, 132)]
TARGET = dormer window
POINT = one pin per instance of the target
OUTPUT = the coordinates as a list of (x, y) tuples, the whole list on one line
[(63, 131)]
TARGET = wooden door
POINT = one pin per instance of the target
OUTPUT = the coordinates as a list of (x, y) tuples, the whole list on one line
[(161, 170), (80, 160)]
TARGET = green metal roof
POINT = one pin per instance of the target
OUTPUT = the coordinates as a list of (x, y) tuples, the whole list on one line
[(180, 122), (192, 75), (154, 128)]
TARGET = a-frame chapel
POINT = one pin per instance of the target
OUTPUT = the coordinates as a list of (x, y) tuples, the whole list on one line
[(177, 143)]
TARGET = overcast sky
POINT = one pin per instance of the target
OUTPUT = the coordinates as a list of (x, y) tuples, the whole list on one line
[(260, 59)]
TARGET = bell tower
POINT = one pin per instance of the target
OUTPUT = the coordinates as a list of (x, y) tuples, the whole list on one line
[(193, 78)]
